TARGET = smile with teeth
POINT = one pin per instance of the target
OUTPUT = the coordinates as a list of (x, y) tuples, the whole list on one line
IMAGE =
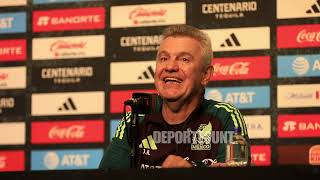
[(170, 79)]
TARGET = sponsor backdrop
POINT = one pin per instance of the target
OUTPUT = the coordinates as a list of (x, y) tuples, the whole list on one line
[(66, 66)]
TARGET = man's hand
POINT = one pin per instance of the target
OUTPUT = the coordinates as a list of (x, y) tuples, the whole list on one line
[(173, 161)]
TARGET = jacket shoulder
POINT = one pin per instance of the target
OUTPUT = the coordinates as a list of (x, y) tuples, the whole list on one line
[(227, 114)]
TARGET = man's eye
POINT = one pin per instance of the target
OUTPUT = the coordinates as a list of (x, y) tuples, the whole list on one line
[(185, 59), (163, 58)]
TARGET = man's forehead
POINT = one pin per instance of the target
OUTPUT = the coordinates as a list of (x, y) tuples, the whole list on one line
[(178, 37), (179, 42), (165, 52)]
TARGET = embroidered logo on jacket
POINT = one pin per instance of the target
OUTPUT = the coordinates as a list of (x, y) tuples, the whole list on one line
[(202, 139)]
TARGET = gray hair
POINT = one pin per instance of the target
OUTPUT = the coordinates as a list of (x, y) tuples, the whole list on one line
[(192, 32)]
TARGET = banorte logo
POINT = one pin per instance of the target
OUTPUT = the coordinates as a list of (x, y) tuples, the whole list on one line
[(61, 45), (43, 21), (46, 20), (72, 132), (314, 155), (69, 19), (289, 126), (298, 126), (141, 15)]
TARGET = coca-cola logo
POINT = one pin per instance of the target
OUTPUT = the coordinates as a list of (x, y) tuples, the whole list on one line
[(72, 132), (141, 12), (61, 45), (237, 68), (304, 36), (3, 76)]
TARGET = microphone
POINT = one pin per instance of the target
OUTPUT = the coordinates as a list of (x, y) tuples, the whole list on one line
[(143, 103), (136, 102)]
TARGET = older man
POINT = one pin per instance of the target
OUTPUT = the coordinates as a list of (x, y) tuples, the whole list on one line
[(183, 70)]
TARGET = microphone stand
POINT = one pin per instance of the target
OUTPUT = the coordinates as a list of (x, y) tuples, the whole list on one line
[(134, 135), (141, 103)]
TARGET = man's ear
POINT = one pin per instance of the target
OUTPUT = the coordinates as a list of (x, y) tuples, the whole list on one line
[(207, 75)]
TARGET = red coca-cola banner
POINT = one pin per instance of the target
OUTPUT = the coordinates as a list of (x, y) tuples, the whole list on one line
[(78, 131), (13, 50), (299, 126), (240, 68), (298, 36), (12, 160), (68, 19), (261, 155), (118, 97)]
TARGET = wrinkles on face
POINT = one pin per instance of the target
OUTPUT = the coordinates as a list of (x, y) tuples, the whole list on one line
[(178, 68)]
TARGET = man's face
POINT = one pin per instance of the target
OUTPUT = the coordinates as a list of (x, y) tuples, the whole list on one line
[(180, 72)]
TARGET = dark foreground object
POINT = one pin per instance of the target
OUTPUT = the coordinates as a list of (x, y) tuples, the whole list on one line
[(257, 173)]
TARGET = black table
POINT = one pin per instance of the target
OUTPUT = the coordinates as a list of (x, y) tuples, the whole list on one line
[(257, 173)]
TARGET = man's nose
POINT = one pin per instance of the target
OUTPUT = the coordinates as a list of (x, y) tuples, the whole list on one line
[(172, 65)]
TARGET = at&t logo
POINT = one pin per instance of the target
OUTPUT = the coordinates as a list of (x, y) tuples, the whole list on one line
[(300, 65), (215, 95), (51, 160)]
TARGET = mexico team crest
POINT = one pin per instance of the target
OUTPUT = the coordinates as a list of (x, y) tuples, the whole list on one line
[(202, 139)]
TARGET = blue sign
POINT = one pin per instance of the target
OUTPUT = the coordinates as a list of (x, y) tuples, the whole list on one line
[(58, 1), (12, 22), (66, 159), (299, 66), (113, 127), (248, 97)]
